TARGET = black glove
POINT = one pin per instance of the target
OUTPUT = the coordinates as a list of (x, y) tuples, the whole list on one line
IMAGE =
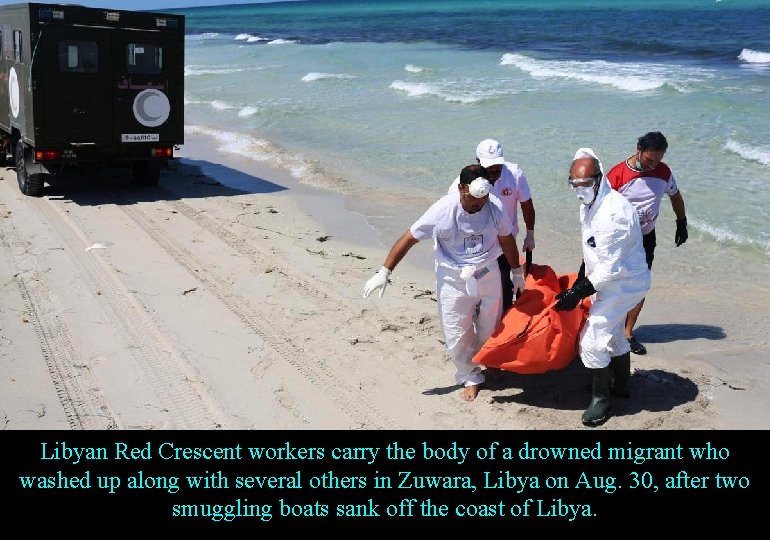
[(681, 232), (582, 271), (570, 298)]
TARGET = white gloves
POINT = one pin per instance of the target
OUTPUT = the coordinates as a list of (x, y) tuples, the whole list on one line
[(518, 281), (529, 241), (377, 281)]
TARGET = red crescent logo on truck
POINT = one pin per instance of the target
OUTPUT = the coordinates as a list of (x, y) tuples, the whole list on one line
[(151, 107)]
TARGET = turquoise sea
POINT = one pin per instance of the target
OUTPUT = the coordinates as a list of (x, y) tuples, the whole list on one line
[(394, 95)]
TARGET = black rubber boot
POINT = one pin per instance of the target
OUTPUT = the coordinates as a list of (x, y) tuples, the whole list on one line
[(599, 409), (621, 373)]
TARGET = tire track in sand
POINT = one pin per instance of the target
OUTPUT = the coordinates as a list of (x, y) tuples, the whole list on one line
[(325, 298), (172, 379), (354, 403), (75, 386)]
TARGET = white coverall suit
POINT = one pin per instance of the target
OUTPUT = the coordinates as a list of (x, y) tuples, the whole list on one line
[(615, 265), (470, 309)]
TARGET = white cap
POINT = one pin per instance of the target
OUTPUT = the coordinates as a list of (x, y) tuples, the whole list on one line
[(489, 153), (480, 187)]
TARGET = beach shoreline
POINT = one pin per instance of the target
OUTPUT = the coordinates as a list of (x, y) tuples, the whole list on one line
[(243, 287)]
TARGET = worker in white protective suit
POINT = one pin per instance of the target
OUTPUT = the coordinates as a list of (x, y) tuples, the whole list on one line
[(470, 230), (614, 273)]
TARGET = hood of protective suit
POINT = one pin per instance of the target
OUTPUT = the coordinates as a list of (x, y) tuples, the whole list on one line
[(604, 185)]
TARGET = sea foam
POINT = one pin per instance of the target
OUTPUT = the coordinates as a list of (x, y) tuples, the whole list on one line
[(754, 57), (752, 153), (723, 235), (314, 76), (201, 37), (247, 111), (222, 105), (190, 71), (265, 151), (423, 89), (620, 76), (249, 38)]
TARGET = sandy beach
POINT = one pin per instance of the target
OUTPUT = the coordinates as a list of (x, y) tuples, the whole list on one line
[(229, 297)]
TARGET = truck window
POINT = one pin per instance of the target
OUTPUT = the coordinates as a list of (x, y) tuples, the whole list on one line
[(17, 45), (144, 58), (78, 56)]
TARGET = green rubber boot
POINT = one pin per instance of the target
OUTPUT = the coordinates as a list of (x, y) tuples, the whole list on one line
[(599, 409), (621, 373)]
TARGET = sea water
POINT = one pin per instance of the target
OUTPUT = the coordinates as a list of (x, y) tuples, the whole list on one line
[(394, 95)]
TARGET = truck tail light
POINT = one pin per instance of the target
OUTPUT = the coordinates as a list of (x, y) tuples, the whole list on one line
[(162, 152), (47, 155)]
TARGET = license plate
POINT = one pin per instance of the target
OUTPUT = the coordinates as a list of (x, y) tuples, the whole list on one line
[(139, 137)]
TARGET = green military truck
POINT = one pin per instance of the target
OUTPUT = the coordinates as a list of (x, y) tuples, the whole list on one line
[(88, 87)]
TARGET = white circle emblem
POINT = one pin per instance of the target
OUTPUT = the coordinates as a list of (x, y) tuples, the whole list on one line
[(13, 92), (151, 107)]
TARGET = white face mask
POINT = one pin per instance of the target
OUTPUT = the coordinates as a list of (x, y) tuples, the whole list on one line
[(480, 188), (585, 194)]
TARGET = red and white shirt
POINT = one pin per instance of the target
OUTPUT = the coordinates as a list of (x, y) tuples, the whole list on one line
[(643, 189)]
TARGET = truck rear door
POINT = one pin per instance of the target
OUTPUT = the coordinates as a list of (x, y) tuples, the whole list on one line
[(148, 104), (73, 88)]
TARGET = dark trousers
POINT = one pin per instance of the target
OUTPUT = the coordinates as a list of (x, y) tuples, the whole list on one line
[(505, 281)]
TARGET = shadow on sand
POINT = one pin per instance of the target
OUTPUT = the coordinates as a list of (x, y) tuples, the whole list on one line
[(184, 179), (668, 333), (568, 389)]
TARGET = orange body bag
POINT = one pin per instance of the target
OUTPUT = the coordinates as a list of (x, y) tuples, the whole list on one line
[(533, 337)]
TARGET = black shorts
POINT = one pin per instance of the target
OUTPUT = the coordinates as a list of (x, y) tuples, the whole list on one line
[(648, 241)]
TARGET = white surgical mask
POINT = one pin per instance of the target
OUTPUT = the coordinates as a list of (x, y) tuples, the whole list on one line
[(480, 188), (585, 194)]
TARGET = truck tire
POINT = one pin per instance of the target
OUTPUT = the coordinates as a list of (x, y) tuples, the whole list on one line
[(29, 184), (145, 174)]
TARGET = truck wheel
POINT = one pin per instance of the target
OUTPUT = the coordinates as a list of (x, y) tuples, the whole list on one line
[(29, 184), (144, 174)]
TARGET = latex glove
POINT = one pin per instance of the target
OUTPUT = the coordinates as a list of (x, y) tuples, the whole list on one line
[(681, 232), (529, 241), (377, 281), (517, 279), (570, 298)]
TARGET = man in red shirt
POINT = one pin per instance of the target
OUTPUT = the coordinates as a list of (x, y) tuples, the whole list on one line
[(644, 179)]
